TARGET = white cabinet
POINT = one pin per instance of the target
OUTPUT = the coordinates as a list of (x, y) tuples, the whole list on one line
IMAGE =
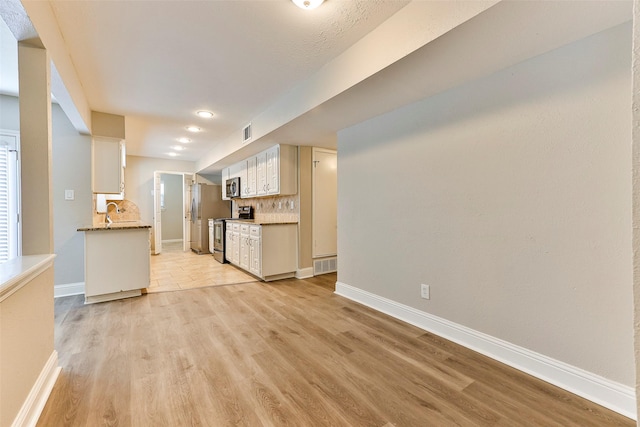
[(107, 165), (267, 251), (244, 246), (273, 170), (255, 265), (261, 173), (117, 263), (233, 243), (250, 187), (277, 171)]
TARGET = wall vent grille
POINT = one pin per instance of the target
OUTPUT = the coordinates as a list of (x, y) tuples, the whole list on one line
[(246, 133), (323, 266)]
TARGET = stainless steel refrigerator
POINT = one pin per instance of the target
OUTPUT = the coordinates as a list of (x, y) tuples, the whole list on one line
[(206, 202)]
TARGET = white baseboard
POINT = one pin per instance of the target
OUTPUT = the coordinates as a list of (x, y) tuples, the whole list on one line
[(617, 397), (37, 398), (304, 273), (68, 289), (172, 241)]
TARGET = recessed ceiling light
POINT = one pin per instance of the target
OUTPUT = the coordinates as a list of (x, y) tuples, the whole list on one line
[(172, 154), (184, 140), (178, 147), (193, 129), (307, 4), (205, 114)]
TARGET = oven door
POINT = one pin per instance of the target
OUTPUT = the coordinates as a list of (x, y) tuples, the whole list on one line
[(218, 236)]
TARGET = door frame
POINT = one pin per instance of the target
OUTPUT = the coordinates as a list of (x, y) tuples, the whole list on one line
[(157, 211)]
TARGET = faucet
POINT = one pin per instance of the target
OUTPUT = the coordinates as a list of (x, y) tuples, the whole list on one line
[(107, 218)]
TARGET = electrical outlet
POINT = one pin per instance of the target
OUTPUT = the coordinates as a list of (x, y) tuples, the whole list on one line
[(425, 291), (279, 205), (291, 204)]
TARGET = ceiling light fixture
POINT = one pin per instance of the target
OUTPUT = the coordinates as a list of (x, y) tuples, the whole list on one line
[(205, 114), (172, 154), (184, 140), (178, 147), (193, 129), (307, 4)]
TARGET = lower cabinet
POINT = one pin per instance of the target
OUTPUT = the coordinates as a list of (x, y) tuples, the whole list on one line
[(233, 243), (117, 263), (268, 251)]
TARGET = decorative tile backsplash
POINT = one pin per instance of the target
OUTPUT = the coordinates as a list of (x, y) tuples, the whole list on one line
[(274, 209), (128, 212)]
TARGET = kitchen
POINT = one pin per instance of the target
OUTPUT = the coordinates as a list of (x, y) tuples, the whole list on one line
[(273, 221)]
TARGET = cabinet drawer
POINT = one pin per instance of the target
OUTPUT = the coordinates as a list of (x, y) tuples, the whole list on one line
[(235, 226), (254, 231), (244, 228)]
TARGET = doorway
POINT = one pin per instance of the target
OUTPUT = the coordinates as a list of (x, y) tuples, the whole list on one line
[(171, 213)]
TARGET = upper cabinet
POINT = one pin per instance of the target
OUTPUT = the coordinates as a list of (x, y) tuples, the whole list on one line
[(107, 165), (271, 172)]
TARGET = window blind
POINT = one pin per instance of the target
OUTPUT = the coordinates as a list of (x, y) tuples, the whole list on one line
[(4, 201)]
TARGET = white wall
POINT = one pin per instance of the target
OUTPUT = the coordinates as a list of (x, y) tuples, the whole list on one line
[(138, 180), (511, 197)]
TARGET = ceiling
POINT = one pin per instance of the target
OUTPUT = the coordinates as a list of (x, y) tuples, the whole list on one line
[(158, 62)]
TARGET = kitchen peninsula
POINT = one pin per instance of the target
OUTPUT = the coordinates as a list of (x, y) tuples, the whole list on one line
[(117, 260)]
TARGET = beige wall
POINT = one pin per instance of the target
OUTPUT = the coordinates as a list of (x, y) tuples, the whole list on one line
[(138, 180), (109, 125), (172, 218), (305, 228), (26, 342), (636, 193), (510, 196)]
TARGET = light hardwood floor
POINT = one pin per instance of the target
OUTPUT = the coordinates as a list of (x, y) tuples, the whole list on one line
[(286, 353)]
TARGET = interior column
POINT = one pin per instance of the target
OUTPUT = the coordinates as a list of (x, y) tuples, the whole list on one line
[(35, 148)]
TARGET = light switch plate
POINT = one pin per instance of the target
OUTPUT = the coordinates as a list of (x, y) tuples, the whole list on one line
[(69, 195)]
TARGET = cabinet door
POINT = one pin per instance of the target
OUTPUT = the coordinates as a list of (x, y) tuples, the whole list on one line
[(235, 248), (261, 173), (273, 170), (251, 187), (228, 244), (244, 251), (254, 256), (107, 165)]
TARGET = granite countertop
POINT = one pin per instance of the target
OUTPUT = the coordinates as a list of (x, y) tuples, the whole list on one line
[(125, 225), (254, 222)]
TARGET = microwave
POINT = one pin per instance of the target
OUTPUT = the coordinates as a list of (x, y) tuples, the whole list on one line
[(233, 187)]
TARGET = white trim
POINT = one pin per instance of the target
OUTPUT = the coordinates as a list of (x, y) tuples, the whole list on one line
[(37, 398), (172, 241), (304, 273), (68, 289), (615, 396)]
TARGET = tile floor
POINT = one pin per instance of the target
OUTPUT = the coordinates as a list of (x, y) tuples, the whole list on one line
[(175, 270)]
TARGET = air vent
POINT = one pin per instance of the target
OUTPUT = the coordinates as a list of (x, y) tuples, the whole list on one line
[(246, 133), (329, 265)]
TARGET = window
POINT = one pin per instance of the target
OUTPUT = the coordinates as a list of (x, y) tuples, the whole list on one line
[(9, 196)]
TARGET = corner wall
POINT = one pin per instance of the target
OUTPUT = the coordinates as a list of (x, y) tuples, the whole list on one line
[(511, 197)]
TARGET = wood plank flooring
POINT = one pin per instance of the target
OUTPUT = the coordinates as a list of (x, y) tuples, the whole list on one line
[(287, 353)]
